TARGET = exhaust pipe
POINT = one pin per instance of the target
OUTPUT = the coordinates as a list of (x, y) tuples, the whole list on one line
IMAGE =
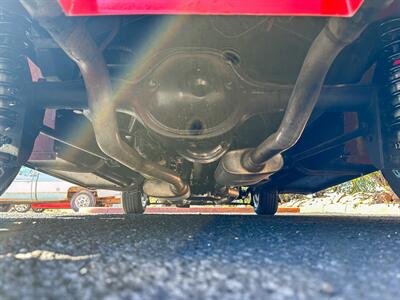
[(73, 37), (251, 166)]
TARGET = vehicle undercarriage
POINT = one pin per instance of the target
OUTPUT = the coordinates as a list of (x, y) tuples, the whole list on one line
[(182, 107)]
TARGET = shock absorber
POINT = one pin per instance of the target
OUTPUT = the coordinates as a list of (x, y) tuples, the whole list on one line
[(14, 72)]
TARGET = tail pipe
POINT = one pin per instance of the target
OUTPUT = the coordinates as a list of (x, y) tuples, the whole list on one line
[(73, 37), (338, 33)]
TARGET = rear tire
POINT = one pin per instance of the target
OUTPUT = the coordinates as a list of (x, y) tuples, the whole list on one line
[(22, 208), (265, 202), (82, 199), (38, 210), (134, 202)]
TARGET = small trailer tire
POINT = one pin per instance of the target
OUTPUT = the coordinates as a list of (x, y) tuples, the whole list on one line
[(81, 199)]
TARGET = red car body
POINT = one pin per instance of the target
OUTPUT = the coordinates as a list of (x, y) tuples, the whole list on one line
[(344, 8)]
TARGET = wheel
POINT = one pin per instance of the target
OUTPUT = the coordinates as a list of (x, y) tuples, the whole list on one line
[(5, 207), (82, 199), (22, 208), (38, 210), (134, 202), (265, 202)]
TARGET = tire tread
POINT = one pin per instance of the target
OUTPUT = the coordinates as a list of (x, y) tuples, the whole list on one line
[(132, 203), (269, 201)]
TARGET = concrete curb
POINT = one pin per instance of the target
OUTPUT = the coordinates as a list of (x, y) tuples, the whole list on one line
[(361, 209)]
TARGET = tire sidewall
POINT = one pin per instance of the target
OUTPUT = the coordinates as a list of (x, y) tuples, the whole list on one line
[(392, 179), (75, 206)]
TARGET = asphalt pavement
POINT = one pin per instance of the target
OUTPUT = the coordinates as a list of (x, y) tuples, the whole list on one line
[(199, 257)]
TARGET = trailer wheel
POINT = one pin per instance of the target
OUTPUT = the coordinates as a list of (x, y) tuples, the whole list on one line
[(265, 202), (38, 210), (22, 208), (134, 202), (82, 199)]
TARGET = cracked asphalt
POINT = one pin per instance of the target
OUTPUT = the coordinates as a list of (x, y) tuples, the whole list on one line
[(199, 257)]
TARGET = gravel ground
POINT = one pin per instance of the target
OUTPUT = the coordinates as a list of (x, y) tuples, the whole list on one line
[(198, 257)]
